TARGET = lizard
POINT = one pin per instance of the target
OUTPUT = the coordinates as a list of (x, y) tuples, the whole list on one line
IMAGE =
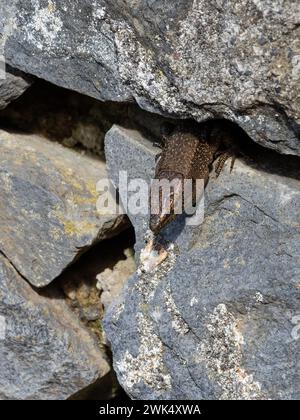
[(189, 152)]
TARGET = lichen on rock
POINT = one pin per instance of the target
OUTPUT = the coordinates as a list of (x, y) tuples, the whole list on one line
[(221, 314), (189, 59)]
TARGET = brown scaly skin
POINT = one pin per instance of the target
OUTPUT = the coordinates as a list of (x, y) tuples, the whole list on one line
[(188, 153)]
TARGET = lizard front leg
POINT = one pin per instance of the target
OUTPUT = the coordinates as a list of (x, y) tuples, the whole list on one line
[(225, 147), (222, 159)]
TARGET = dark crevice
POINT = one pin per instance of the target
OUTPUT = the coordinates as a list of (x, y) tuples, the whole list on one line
[(77, 285), (73, 119), (81, 122)]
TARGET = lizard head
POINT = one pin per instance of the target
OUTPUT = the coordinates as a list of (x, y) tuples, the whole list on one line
[(166, 199)]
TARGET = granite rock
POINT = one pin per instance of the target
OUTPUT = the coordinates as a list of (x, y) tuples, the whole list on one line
[(200, 59), (111, 281), (45, 353), (48, 213), (218, 318), (12, 86)]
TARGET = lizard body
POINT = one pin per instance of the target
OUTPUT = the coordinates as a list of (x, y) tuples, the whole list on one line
[(188, 153)]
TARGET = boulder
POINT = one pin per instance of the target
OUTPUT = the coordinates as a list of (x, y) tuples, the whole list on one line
[(111, 280), (45, 353), (186, 58), (12, 86), (48, 213), (218, 318)]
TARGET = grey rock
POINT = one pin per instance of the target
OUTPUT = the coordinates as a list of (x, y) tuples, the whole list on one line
[(45, 353), (111, 281), (219, 319), (186, 58), (48, 213), (12, 86)]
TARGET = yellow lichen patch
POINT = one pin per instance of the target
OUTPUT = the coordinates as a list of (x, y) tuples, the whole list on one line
[(83, 193), (78, 228), (55, 233), (295, 225), (70, 178), (80, 199), (91, 187), (144, 307), (237, 205), (51, 6), (75, 227), (281, 66)]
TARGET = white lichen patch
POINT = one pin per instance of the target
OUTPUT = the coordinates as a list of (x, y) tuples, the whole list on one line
[(193, 301), (178, 323), (259, 297), (148, 367), (118, 310), (10, 13), (45, 25), (138, 68), (98, 12), (6, 181), (222, 353)]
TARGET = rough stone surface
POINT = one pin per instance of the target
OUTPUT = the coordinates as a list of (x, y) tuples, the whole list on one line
[(218, 318), (45, 353), (48, 211), (111, 281), (14, 84), (113, 261), (238, 60)]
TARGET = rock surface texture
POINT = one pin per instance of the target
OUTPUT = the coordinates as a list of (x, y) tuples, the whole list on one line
[(14, 84), (217, 319), (48, 211), (238, 60), (45, 353)]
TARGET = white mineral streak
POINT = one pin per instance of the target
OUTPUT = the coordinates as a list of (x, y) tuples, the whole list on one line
[(45, 26), (179, 325), (7, 30), (259, 297), (145, 77), (222, 354), (148, 367)]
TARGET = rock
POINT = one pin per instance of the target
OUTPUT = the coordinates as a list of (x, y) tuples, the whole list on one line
[(14, 84), (48, 209), (218, 318), (111, 281), (188, 59), (112, 260), (45, 353)]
